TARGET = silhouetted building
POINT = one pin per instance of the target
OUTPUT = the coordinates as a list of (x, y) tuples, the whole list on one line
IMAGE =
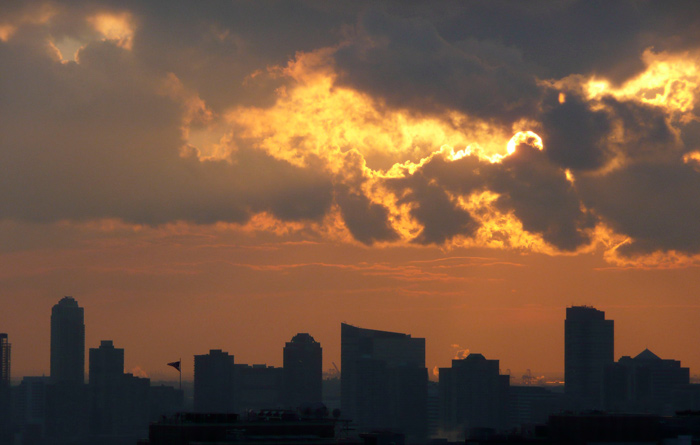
[(106, 363), (67, 412), (31, 407), (257, 387), (687, 398), (644, 384), (589, 347), (67, 342), (473, 395), (214, 382), (67, 397), (164, 401), (532, 405), (384, 381), (5, 393), (433, 409), (303, 371), (5, 348), (119, 411)]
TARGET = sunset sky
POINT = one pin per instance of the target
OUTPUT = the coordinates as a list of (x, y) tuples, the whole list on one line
[(223, 175)]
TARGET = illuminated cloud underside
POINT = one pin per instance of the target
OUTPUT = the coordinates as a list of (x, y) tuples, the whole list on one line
[(398, 174)]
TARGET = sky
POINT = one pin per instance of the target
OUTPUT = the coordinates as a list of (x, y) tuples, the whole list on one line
[(224, 175)]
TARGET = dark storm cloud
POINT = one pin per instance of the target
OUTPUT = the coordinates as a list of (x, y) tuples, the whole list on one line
[(575, 135), (529, 185), (657, 205), (559, 37), (100, 138), (368, 222), (539, 195), (647, 132), (408, 64), (440, 217), (97, 139)]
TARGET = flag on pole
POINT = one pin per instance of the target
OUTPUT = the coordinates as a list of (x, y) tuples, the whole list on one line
[(175, 365)]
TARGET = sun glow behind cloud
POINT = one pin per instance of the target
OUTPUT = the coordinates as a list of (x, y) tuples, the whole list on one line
[(117, 27), (363, 141), (316, 122), (669, 81)]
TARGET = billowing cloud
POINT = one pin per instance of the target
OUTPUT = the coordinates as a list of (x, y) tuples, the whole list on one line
[(381, 125), (408, 64), (100, 139)]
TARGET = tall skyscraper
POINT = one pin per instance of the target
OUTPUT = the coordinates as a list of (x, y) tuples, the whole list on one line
[(67, 342), (589, 348), (5, 348), (303, 371), (214, 382), (5, 403), (383, 380)]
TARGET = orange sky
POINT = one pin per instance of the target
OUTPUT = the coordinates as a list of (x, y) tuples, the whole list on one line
[(230, 180)]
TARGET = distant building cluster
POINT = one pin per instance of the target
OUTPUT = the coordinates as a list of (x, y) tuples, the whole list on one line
[(383, 395), (112, 408)]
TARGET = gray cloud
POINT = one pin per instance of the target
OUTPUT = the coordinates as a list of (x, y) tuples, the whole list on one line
[(541, 198), (96, 139), (657, 205), (529, 185), (575, 135), (407, 63), (367, 221)]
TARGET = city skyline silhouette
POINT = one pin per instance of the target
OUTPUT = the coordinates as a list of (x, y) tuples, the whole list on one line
[(382, 385)]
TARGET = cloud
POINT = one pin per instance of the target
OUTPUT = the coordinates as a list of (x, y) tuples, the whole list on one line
[(380, 124), (575, 135), (408, 64), (368, 222), (655, 204), (98, 139)]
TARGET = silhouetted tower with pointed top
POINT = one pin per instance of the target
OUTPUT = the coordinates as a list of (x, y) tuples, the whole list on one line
[(67, 342), (303, 371), (589, 348)]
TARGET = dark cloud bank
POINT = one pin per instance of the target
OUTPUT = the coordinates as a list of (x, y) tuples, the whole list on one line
[(94, 139)]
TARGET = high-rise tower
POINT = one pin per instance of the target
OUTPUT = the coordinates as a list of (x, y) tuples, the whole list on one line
[(67, 342), (4, 360), (303, 369), (5, 404), (383, 380), (589, 347)]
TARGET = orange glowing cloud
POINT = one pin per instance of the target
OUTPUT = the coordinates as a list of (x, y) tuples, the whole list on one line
[(314, 117), (670, 81), (34, 15), (362, 142), (117, 27)]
